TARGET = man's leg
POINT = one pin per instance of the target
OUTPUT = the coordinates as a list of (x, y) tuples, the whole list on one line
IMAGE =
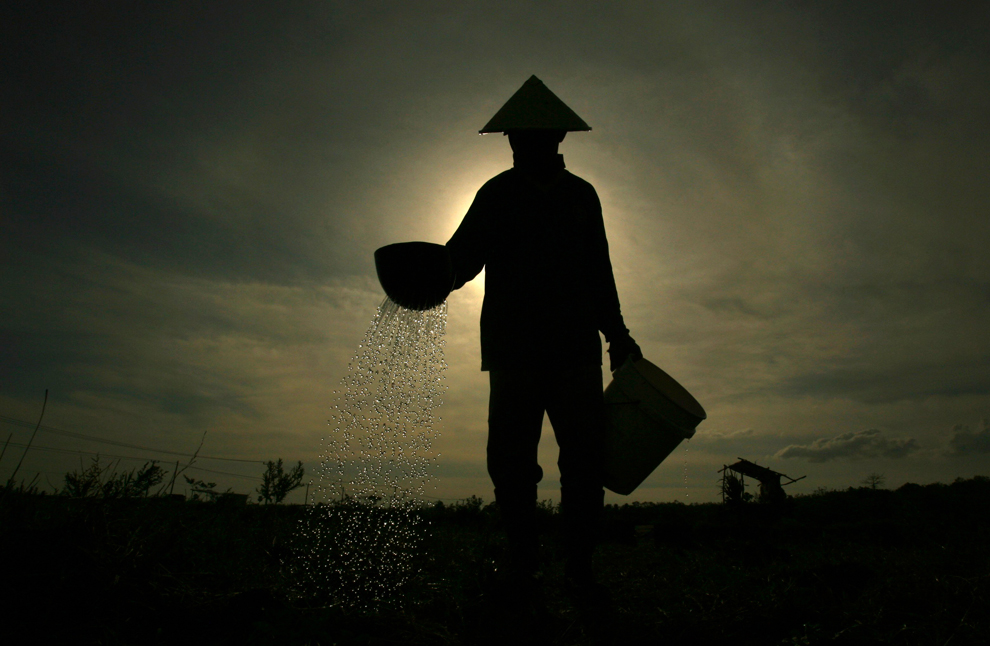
[(515, 419), (576, 408)]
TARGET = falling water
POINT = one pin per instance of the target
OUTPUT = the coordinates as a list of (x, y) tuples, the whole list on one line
[(356, 545)]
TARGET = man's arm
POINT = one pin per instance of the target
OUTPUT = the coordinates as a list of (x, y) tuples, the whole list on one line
[(620, 344), (468, 246)]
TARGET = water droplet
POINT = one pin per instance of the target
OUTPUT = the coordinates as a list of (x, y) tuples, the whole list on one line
[(357, 545)]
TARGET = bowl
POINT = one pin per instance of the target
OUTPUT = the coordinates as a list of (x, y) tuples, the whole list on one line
[(416, 275)]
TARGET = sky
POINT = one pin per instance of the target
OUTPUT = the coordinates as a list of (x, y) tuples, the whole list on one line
[(795, 196)]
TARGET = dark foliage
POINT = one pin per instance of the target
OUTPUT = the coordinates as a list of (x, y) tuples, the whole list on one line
[(842, 567), (100, 480), (202, 490), (276, 483)]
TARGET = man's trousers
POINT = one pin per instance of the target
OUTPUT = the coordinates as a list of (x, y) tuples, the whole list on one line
[(572, 398)]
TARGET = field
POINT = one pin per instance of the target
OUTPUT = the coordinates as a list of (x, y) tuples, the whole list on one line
[(909, 566)]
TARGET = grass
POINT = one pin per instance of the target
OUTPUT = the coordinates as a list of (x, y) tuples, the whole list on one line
[(846, 567)]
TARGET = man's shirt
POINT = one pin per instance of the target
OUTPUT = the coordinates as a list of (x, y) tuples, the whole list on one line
[(549, 286)]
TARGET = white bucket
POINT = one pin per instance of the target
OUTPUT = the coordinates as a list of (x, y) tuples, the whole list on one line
[(648, 415)]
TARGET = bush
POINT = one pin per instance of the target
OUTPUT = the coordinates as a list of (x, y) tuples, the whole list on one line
[(99, 481), (277, 484)]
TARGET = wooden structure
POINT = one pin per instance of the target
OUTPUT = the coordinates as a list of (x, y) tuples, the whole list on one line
[(734, 483)]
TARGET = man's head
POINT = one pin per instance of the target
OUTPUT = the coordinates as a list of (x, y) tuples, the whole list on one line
[(535, 143)]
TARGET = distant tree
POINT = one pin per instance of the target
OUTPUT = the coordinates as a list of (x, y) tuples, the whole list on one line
[(874, 481), (276, 483)]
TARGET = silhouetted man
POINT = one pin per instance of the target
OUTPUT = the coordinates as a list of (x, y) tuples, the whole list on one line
[(549, 289)]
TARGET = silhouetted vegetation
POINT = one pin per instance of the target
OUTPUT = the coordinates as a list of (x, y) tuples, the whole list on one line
[(202, 490), (857, 566), (100, 480), (874, 481), (276, 483)]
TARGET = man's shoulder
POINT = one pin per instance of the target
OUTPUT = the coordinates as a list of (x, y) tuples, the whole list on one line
[(578, 182), (502, 179)]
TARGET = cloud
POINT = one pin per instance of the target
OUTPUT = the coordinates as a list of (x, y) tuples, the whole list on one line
[(726, 445), (718, 436), (968, 442), (858, 444)]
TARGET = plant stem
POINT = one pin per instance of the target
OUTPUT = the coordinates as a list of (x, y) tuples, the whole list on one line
[(10, 482)]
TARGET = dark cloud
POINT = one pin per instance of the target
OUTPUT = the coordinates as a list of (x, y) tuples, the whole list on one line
[(882, 382), (116, 71), (222, 140), (967, 442), (858, 444), (52, 206)]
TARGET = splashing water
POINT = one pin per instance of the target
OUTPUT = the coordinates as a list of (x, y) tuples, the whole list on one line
[(356, 545)]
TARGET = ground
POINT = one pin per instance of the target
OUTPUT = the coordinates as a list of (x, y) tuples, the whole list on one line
[(856, 566)]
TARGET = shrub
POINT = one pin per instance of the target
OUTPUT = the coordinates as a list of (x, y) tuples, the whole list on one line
[(277, 484), (101, 481)]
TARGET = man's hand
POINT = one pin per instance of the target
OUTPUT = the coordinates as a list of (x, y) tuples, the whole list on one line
[(621, 349)]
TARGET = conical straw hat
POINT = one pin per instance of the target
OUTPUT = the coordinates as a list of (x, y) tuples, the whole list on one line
[(534, 107)]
